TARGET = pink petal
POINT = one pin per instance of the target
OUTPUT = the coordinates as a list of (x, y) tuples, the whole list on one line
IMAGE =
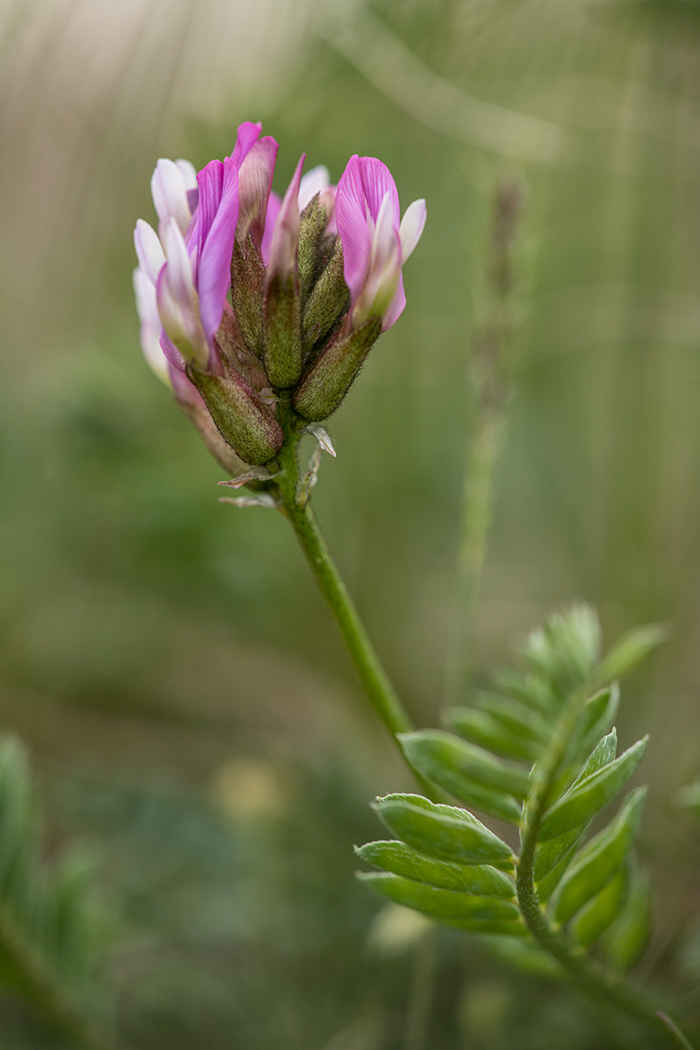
[(210, 181), (214, 266), (255, 182), (369, 180), (355, 236), (315, 181), (396, 307), (248, 135)]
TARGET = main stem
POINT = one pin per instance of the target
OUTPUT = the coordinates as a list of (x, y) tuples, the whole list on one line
[(588, 976), (298, 512)]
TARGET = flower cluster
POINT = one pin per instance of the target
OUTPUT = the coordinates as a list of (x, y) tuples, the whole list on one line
[(247, 300)]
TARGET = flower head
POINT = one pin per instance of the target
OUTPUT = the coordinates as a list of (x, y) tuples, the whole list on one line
[(313, 278)]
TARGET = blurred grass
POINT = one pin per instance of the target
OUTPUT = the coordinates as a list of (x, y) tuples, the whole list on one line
[(151, 636)]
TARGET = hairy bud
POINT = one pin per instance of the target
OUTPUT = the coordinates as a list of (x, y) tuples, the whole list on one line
[(328, 380), (241, 417)]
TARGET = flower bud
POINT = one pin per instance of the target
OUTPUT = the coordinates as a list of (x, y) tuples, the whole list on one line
[(282, 302), (247, 282), (328, 380), (328, 302), (240, 415), (312, 233)]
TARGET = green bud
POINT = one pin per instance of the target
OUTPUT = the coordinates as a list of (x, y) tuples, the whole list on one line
[(312, 234), (247, 279), (332, 374), (282, 325), (241, 417), (220, 450), (328, 302)]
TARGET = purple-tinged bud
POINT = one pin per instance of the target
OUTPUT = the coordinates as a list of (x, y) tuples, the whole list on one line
[(328, 380), (281, 300), (254, 186), (375, 242), (242, 418)]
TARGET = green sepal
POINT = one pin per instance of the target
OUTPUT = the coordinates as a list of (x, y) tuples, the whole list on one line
[(515, 717), (443, 832), (330, 376), (312, 234), (439, 903), (242, 418), (327, 302), (628, 938), (247, 282), (282, 330), (469, 773), (631, 649), (602, 910), (480, 879), (600, 860), (481, 728), (590, 794)]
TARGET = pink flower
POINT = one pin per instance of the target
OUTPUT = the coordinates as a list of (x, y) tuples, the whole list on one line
[(189, 263), (376, 242)]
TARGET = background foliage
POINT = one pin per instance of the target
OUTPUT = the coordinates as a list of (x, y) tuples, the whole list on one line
[(192, 715)]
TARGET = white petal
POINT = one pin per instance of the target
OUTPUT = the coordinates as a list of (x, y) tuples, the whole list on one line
[(178, 302), (188, 172), (147, 308), (170, 195), (149, 250), (315, 181), (412, 227)]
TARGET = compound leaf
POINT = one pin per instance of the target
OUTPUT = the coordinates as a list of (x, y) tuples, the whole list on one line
[(602, 910), (596, 865), (443, 832), (480, 879), (591, 793)]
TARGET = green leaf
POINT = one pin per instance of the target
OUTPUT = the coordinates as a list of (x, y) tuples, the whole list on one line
[(397, 857), (567, 846), (632, 648), (628, 938), (443, 832), (597, 718), (469, 773), (534, 691), (438, 903), (600, 860), (483, 927), (565, 649), (515, 717), (481, 728), (591, 793), (601, 910), (689, 797), (526, 956), (602, 755)]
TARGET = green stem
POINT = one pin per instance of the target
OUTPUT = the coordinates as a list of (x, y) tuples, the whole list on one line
[(588, 976), (40, 989), (485, 446), (298, 512)]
